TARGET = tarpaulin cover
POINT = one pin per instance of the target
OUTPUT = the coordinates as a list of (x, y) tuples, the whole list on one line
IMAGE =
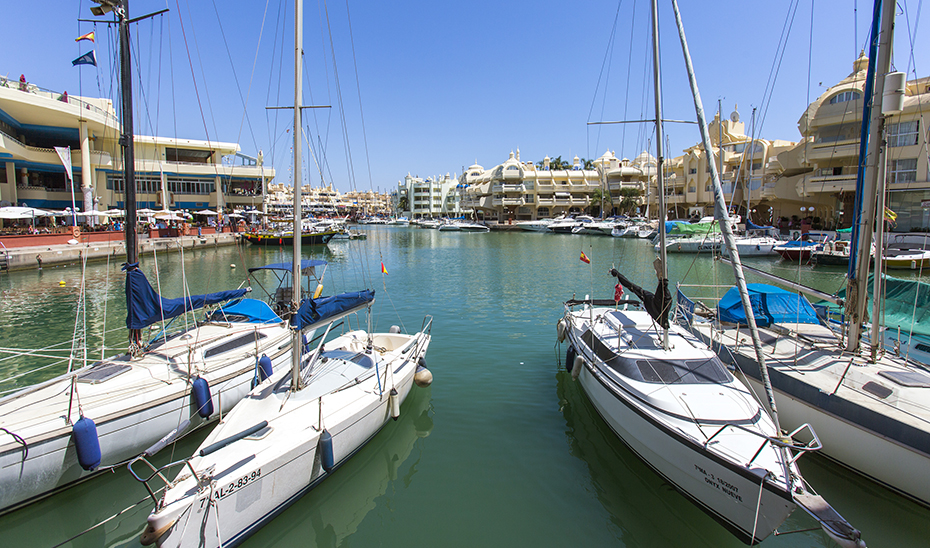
[(696, 228), (145, 306), (670, 225), (906, 305), (770, 305), (313, 311), (753, 226), (246, 310)]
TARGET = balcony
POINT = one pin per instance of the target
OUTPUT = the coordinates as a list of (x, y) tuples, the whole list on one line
[(508, 188), (833, 151)]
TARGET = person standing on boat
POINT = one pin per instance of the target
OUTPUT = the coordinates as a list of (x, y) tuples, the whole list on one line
[(657, 304)]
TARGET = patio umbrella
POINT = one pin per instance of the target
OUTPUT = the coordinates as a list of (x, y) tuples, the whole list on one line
[(206, 212), (15, 212)]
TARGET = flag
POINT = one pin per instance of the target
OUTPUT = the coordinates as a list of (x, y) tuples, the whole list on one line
[(88, 36), (87, 59), (584, 258), (890, 216), (383, 270)]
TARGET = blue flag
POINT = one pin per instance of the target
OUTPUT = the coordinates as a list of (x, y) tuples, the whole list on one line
[(87, 59)]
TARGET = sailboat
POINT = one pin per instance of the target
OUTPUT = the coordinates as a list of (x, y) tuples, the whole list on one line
[(97, 417), (871, 409), (669, 398), (298, 425)]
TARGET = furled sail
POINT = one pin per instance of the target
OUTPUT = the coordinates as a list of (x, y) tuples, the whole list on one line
[(145, 306), (313, 311)]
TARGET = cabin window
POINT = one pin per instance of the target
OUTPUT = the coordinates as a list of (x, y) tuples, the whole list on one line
[(903, 134), (709, 371), (238, 342)]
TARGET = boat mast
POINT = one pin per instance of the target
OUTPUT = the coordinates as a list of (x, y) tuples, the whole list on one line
[(720, 212), (296, 281), (663, 253), (869, 142)]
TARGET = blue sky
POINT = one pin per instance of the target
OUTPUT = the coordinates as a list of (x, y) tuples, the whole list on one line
[(445, 84)]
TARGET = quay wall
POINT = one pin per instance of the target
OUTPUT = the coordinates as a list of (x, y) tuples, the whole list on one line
[(48, 254)]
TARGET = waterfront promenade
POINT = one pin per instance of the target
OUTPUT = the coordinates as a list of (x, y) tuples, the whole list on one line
[(34, 252)]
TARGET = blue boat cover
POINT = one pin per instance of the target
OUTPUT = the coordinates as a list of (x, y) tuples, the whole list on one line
[(313, 311), (799, 243), (770, 305), (304, 263), (753, 226), (144, 306), (670, 225), (246, 310)]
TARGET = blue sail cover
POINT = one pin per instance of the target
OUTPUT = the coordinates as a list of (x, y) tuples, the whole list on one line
[(246, 310), (288, 267), (145, 306), (753, 226), (313, 311), (770, 305)]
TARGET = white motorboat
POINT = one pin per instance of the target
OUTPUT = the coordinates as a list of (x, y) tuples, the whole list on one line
[(539, 225), (710, 243), (449, 226), (567, 225), (682, 412), (466, 226), (754, 246), (669, 398)]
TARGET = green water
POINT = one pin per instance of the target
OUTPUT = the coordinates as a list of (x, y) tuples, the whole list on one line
[(502, 450)]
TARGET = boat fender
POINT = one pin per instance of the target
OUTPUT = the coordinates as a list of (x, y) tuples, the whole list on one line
[(576, 367), (394, 329), (86, 443), (326, 451), (560, 330), (395, 404), (423, 376), (569, 357), (264, 368), (201, 392), (318, 292)]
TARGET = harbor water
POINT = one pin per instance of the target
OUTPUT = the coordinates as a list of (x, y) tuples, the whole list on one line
[(504, 449)]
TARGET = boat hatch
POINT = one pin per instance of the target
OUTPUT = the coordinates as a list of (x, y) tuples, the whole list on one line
[(103, 372), (248, 338), (877, 390), (354, 357), (913, 379)]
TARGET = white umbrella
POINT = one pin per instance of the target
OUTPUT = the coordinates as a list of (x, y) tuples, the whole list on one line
[(234, 216), (146, 211), (15, 212), (168, 216), (206, 212)]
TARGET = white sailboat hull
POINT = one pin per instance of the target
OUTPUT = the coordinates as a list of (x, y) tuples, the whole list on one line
[(256, 478), (864, 451), (131, 411)]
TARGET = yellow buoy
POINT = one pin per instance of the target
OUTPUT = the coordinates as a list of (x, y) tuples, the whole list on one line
[(61, 283)]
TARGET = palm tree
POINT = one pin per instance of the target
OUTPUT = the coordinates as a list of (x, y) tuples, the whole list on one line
[(629, 199), (403, 203), (598, 197)]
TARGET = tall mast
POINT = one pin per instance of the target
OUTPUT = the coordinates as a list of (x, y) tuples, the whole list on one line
[(868, 170), (720, 212), (663, 253), (296, 277), (126, 139)]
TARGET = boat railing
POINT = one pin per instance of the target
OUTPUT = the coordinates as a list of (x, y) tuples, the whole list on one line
[(786, 441)]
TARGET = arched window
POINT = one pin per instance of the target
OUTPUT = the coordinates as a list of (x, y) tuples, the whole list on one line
[(844, 96)]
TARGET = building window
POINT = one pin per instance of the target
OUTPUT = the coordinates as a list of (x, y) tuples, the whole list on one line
[(903, 134), (692, 171), (692, 188), (844, 97), (903, 171), (706, 188)]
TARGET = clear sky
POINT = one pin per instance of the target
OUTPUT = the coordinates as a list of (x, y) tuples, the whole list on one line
[(445, 84)]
